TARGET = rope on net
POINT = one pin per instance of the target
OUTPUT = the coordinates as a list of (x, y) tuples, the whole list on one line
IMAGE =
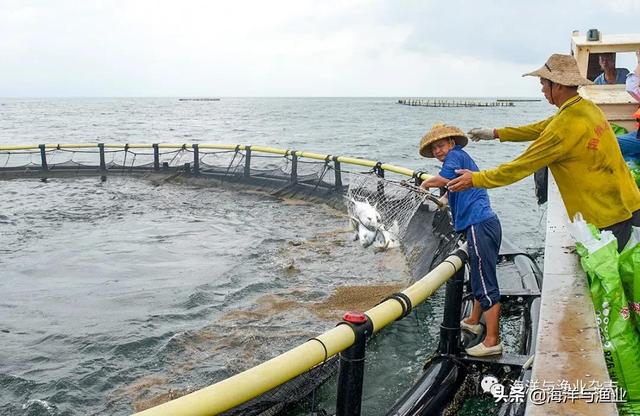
[(242, 157)]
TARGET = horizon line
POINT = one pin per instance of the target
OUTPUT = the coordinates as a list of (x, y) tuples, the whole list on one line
[(264, 96)]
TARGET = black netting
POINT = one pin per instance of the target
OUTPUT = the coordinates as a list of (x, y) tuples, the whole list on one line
[(291, 392)]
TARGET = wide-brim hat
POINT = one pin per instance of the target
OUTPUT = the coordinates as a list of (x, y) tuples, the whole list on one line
[(561, 69), (441, 131)]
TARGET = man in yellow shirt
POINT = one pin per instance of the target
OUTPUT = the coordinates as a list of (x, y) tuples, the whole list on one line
[(579, 147)]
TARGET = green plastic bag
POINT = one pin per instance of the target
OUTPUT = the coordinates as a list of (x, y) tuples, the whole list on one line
[(629, 267), (620, 341), (635, 171), (636, 176), (629, 408), (618, 130)]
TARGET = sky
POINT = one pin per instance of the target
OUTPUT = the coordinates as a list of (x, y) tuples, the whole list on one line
[(136, 48)]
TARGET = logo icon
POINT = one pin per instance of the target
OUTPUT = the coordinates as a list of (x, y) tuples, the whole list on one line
[(491, 385)]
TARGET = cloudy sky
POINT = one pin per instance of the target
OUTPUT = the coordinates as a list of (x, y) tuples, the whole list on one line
[(289, 47)]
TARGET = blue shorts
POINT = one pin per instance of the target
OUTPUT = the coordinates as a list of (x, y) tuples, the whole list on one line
[(484, 241)]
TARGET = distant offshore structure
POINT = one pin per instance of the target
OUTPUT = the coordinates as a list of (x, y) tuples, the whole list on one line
[(461, 103), (198, 99)]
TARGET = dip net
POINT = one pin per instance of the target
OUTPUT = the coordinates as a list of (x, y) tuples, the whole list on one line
[(395, 202)]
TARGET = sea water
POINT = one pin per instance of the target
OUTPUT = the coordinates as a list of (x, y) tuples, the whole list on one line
[(118, 295)]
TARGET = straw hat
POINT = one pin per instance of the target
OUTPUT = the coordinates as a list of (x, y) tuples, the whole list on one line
[(441, 131), (561, 69)]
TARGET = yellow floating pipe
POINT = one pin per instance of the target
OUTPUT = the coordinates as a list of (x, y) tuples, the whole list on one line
[(129, 146), (356, 161), (221, 146), (397, 169), (255, 381), (173, 146), (70, 146), (311, 155), (251, 383), (272, 150), (387, 312), (18, 147)]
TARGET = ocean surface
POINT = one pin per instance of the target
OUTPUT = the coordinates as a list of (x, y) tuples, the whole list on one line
[(120, 294)]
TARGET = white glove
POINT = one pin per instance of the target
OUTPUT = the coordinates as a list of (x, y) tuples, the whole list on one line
[(480, 133)]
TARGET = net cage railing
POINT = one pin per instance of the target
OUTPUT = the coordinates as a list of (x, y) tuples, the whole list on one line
[(412, 215), (195, 158), (282, 172), (240, 161)]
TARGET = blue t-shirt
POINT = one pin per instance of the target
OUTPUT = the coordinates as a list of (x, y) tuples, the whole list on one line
[(467, 207), (621, 77)]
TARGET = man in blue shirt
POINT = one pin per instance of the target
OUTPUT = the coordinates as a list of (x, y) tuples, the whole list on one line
[(630, 142), (472, 215), (611, 74)]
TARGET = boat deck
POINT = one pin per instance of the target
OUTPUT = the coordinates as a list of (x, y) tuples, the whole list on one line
[(568, 343)]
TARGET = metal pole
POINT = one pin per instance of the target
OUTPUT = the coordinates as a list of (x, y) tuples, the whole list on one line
[(294, 167), (380, 187), (338, 174), (156, 157), (247, 162), (196, 160), (43, 157), (351, 372), (450, 327), (103, 165)]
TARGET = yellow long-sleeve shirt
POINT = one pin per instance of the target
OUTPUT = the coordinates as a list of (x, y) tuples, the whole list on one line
[(581, 150)]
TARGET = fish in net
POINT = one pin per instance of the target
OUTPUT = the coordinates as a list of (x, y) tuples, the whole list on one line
[(380, 210)]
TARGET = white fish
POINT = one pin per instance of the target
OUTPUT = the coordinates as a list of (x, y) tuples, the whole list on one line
[(385, 240), (367, 222), (366, 214), (354, 226), (366, 236)]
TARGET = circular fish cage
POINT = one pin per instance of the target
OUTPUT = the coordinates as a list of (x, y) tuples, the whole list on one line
[(387, 210)]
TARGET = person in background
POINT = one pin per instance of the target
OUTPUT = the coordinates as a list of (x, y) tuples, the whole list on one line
[(630, 142), (632, 83), (580, 149), (610, 74), (472, 215)]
